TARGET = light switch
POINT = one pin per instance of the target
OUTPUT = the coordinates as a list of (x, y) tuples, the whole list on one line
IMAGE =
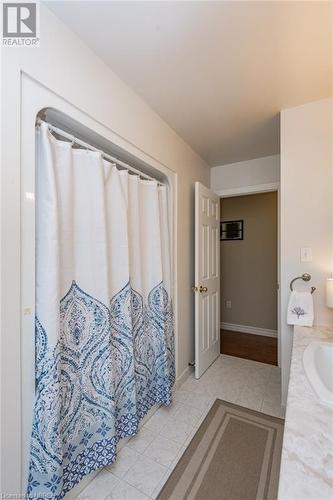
[(306, 254), (228, 304)]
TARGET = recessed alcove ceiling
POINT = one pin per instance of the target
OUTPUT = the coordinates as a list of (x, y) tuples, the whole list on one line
[(217, 72)]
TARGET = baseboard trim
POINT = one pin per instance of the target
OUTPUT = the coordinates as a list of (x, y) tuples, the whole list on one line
[(265, 332), (183, 376)]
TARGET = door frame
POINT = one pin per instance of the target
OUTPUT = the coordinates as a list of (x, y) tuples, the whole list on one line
[(256, 189)]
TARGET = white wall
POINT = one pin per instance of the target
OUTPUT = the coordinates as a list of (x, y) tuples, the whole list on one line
[(253, 174), (306, 209), (73, 72)]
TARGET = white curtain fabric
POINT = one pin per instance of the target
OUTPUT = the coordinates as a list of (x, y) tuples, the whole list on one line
[(104, 322)]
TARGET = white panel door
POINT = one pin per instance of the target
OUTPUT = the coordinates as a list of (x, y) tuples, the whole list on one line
[(207, 278)]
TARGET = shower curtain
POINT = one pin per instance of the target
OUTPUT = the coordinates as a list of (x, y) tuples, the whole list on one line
[(104, 320)]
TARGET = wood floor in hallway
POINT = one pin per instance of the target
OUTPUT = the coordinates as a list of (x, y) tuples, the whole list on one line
[(248, 346)]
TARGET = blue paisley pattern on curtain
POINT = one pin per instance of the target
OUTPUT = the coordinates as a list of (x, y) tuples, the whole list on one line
[(110, 365)]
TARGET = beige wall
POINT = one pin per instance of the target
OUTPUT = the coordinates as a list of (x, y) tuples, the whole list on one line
[(249, 266)]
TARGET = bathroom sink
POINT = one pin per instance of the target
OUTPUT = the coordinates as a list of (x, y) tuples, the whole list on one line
[(318, 366)]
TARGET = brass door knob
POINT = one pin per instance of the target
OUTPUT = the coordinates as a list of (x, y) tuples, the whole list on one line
[(203, 289)]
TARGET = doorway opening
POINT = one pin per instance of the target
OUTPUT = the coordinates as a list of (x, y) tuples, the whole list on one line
[(249, 276)]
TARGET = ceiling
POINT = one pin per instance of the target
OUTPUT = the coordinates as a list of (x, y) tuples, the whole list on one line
[(217, 72)]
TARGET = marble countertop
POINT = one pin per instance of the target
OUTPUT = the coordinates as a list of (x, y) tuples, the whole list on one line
[(307, 455)]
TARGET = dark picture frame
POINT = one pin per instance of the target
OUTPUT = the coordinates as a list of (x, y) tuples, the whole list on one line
[(232, 230)]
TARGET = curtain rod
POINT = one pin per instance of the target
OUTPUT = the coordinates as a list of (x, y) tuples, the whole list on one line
[(85, 145)]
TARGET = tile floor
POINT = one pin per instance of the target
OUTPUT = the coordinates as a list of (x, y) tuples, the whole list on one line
[(146, 461)]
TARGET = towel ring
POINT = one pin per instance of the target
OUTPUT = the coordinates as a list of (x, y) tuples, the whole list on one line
[(304, 277)]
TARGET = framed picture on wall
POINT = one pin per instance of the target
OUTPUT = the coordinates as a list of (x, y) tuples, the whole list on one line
[(231, 230)]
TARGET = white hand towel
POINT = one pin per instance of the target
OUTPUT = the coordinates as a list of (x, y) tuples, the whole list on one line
[(300, 309)]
